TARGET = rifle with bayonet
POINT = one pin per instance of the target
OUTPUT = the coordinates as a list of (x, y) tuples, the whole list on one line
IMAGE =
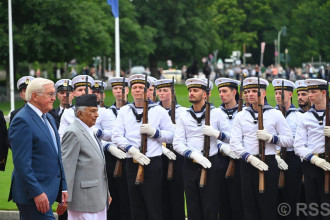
[(140, 174), (261, 142), (119, 163), (281, 180), (170, 146), (102, 92), (230, 173), (327, 139), (202, 181)]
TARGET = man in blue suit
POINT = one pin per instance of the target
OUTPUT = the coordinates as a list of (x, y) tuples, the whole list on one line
[(38, 178)]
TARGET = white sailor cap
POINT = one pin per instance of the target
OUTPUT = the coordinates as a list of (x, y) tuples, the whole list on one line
[(63, 84), (226, 82), (81, 81), (98, 86), (301, 85), (117, 81), (161, 83), (198, 83), (152, 80), (23, 82), (316, 84), (252, 83), (288, 85), (139, 78)]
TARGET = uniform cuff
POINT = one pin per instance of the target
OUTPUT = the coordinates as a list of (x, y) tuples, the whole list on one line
[(308, 157), (275, 139), (99, 133), (187, 153), (245, 156), (105, 147), (222, 136), (128, 147), (157, 134)]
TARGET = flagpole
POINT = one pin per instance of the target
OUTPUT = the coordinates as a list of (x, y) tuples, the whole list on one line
[(117, 46), (11, 58)]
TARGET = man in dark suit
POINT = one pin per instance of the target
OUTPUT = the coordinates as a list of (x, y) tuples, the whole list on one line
[(65, 98), (22, 83), (38, 178)]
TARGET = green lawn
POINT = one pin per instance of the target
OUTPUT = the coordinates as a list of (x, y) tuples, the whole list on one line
[(182, 97)]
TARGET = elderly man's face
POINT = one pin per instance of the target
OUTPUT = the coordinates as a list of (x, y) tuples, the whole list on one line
[(44, 100), (89, 116)]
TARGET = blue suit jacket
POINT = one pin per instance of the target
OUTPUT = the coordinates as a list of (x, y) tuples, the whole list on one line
[(37, 166)]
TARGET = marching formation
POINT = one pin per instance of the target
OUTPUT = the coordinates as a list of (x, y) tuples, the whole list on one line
[(153, 159)]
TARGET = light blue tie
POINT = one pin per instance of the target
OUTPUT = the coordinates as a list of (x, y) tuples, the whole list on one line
[(50, 131)]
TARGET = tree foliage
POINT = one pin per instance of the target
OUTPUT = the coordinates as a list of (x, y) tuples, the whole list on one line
[(155, 30)]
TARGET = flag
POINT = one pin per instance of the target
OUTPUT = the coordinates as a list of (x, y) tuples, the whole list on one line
[(114, 7)]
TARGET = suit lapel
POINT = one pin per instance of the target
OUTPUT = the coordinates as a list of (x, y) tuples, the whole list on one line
[(42, 126), (90, 139)]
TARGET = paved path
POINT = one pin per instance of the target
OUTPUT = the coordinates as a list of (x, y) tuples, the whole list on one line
[(13, 215)]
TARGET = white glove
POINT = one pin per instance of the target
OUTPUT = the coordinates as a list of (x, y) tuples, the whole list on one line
[(201, 160), (326, 131), (322, 163), (225, 148), (281, 163), (116, 152), (97, 132), (210, 131), (138, 156), (169, 154), (257, 163), (264, 135), (147, 129)]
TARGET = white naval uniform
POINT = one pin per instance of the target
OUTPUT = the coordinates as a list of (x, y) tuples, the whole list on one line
[(293, 117), (309, 136), (310, 140), (173, 200), (230, 204), (291, 191), (145, 198), (243, 134), (126, 130), (202, 203), (244, 142), (189, 137), (104, 122)]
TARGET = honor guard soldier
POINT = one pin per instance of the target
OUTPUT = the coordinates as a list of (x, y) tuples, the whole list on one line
[(230, 188), (64, 92), (120, 206), (172, 186), (259, 204), (152, 92), (287, 160), (303, 99), (103, 123), (145, 198), (22, 83), (310, 145), (190, 133), (98, 90)]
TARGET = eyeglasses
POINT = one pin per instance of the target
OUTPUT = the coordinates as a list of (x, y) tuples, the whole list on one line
[(50, 95)]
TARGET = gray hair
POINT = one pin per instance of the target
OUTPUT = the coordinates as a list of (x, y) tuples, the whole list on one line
[(36, 85), (79, 109)]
